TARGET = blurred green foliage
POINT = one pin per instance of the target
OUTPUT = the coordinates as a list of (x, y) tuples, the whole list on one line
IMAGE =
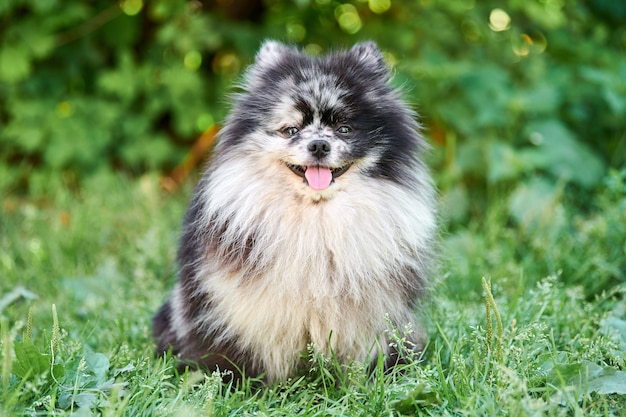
[(519, 95)]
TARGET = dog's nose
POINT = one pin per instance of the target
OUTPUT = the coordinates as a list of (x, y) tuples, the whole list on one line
[(319, 148)]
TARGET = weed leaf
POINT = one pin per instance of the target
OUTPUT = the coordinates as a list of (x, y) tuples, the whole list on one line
[(587, 377), (86, 400), (98, 364), (420, 396), (609, 381), (29, 360), (614, 325)]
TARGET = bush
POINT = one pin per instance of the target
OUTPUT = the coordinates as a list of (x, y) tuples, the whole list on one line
[(517, 96)]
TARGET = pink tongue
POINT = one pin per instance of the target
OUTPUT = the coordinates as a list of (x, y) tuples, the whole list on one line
[(319, 178)]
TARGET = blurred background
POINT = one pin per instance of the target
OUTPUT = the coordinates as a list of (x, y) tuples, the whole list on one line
[(524, 101)]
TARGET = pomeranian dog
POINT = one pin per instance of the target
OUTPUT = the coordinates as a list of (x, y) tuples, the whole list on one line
[(312, 228)]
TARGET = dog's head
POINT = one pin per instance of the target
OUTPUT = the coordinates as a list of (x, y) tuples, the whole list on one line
[(320, 120)]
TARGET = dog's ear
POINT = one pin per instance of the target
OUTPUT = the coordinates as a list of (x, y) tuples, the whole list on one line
[(370, 55), (271, 53)]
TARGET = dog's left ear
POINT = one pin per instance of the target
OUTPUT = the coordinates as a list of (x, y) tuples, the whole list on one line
[(369, 54), (271, 53)]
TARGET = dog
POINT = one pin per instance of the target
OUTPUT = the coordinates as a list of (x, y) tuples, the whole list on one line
[(313, 226)]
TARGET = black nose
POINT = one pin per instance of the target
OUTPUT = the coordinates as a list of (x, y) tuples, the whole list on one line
[(319, 148)]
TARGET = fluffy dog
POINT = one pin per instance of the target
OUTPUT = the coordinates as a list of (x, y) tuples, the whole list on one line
[(313, 225)]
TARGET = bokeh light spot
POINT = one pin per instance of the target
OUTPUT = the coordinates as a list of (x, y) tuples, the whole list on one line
[(64, 109), (205, 121), (499, 20), (313, 49), (379, 6), (522, 44), (348, 18), (193, 60), (226, 64), (295, 31), (131, 7)]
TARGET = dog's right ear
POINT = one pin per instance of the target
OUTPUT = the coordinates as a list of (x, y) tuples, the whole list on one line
[(370, 55), (368, 52), (271, 53)]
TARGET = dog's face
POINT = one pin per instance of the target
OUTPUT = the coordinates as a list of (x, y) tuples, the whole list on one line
[(321, 121), (315, 131)]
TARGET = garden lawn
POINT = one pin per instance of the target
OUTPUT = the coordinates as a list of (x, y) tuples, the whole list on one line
[(528, 317)]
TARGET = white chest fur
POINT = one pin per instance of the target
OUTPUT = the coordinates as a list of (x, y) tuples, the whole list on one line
[(330, 270)]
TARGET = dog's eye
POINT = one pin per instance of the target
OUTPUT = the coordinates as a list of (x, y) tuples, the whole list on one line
[(289, 131), (344, 129)]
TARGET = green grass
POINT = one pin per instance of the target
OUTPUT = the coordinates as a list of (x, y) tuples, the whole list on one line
[(82, 270)]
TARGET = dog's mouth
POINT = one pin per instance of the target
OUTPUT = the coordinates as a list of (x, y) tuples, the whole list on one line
[(318, 177)]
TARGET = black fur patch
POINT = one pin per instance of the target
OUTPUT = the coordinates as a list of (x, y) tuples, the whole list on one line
[(163, 331), (201, 353)]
